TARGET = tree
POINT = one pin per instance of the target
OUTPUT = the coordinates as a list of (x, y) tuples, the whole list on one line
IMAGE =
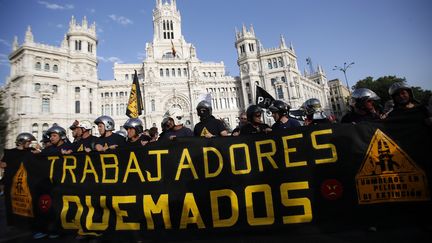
[(3, 124), (381, 86)]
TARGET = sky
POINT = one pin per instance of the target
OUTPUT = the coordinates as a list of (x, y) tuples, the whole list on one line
[(381, 37)]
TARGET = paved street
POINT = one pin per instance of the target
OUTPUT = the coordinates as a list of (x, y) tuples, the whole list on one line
[(398, 234)]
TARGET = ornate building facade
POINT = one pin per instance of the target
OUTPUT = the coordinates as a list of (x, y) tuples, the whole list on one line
[(49, 84)]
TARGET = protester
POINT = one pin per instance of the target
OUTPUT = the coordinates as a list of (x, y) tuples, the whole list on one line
[(314, 112), (86, 141), (60, 144), (208, 126), (76, 132), (255, 124), (242, 121), (135, 136), (154, 134), (363, 107), (405, 105), (108, 139), (174, 125), (280, 113)]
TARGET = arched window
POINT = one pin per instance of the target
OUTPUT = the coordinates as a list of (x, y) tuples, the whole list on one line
[(55, 68), (46, 67), (161, 72), (35, 130), (281, 62), (38, 66), (179, 72), (275, 63), (167, 72), (269, 62), (37, 86), (77, 89), (55, 88), (127, 76), (173, 72), (45, 127)]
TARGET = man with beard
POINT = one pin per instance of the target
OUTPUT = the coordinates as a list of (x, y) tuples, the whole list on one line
[(208, 126)]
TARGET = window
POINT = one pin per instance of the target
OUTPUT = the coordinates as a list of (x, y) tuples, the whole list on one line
[(161, 72), (37, 86), (153, 105), (251, 47), (90, 90), (77, 106), (167, 72), (275, 63), (45, 105), (45, 127), (279, 92), (117, 109), (179, 72), (269, 62), (90, 108), (77, 89), (126, 76), (242, 49), (55, 88), (55, 68), (283, 79), (281, 62), (46, 67), (185, 73), (35, 130), (173, 72), (38, 66)]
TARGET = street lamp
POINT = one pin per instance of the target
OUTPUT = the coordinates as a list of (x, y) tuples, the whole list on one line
[(344, 69)]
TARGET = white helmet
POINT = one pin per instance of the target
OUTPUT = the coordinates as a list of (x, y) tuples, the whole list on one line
[(87, 125), (176, 114)]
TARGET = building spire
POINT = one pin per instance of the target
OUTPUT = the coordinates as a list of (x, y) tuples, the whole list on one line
[(28, 35), (15, 43), (84, 23), (282, 41), (252, 30)]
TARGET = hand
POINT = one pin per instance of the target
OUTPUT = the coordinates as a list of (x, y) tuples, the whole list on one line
[(144, 143), (64, 151), (114, 146), (172, 137), (88, 150), (267, 130), (235, 134), (99, 148)]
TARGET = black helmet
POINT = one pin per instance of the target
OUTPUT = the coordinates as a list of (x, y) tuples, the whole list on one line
[(59, 130), (23, 138), (251, 110), (45, 137), (107, 121), (280, 107), (135, 123), (206, 106), (311, 106), (360, 95), (396, 87)]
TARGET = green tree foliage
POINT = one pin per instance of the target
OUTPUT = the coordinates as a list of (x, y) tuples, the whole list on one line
[(381, 85), (3, 124)]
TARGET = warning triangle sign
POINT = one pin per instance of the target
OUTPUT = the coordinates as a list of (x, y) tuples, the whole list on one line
[(20, 194), (204, 132), (388, 174)]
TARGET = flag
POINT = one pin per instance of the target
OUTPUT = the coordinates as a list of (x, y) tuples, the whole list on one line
[(263, 99), (173, 49), (135, 104)]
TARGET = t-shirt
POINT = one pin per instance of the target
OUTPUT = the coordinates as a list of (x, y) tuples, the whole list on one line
[(210, 125), (182, 132), (251, 129), (57, 149), (137, 143), (113, 139), (354, 117), (278, 126), (83, 143)]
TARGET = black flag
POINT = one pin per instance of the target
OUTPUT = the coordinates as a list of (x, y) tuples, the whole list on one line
[(135, 105), (263, 99)]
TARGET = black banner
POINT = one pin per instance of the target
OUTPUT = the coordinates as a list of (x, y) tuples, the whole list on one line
[(329, 176)]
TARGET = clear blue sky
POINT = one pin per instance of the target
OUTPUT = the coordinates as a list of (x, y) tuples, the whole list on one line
[(382, 37)]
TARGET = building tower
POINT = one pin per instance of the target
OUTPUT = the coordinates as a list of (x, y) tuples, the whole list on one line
[(247, 51)]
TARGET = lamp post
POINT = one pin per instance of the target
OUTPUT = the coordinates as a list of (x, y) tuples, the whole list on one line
[(344, 69)]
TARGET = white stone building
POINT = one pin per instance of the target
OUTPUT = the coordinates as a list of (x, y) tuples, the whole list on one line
[(49, 84)]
